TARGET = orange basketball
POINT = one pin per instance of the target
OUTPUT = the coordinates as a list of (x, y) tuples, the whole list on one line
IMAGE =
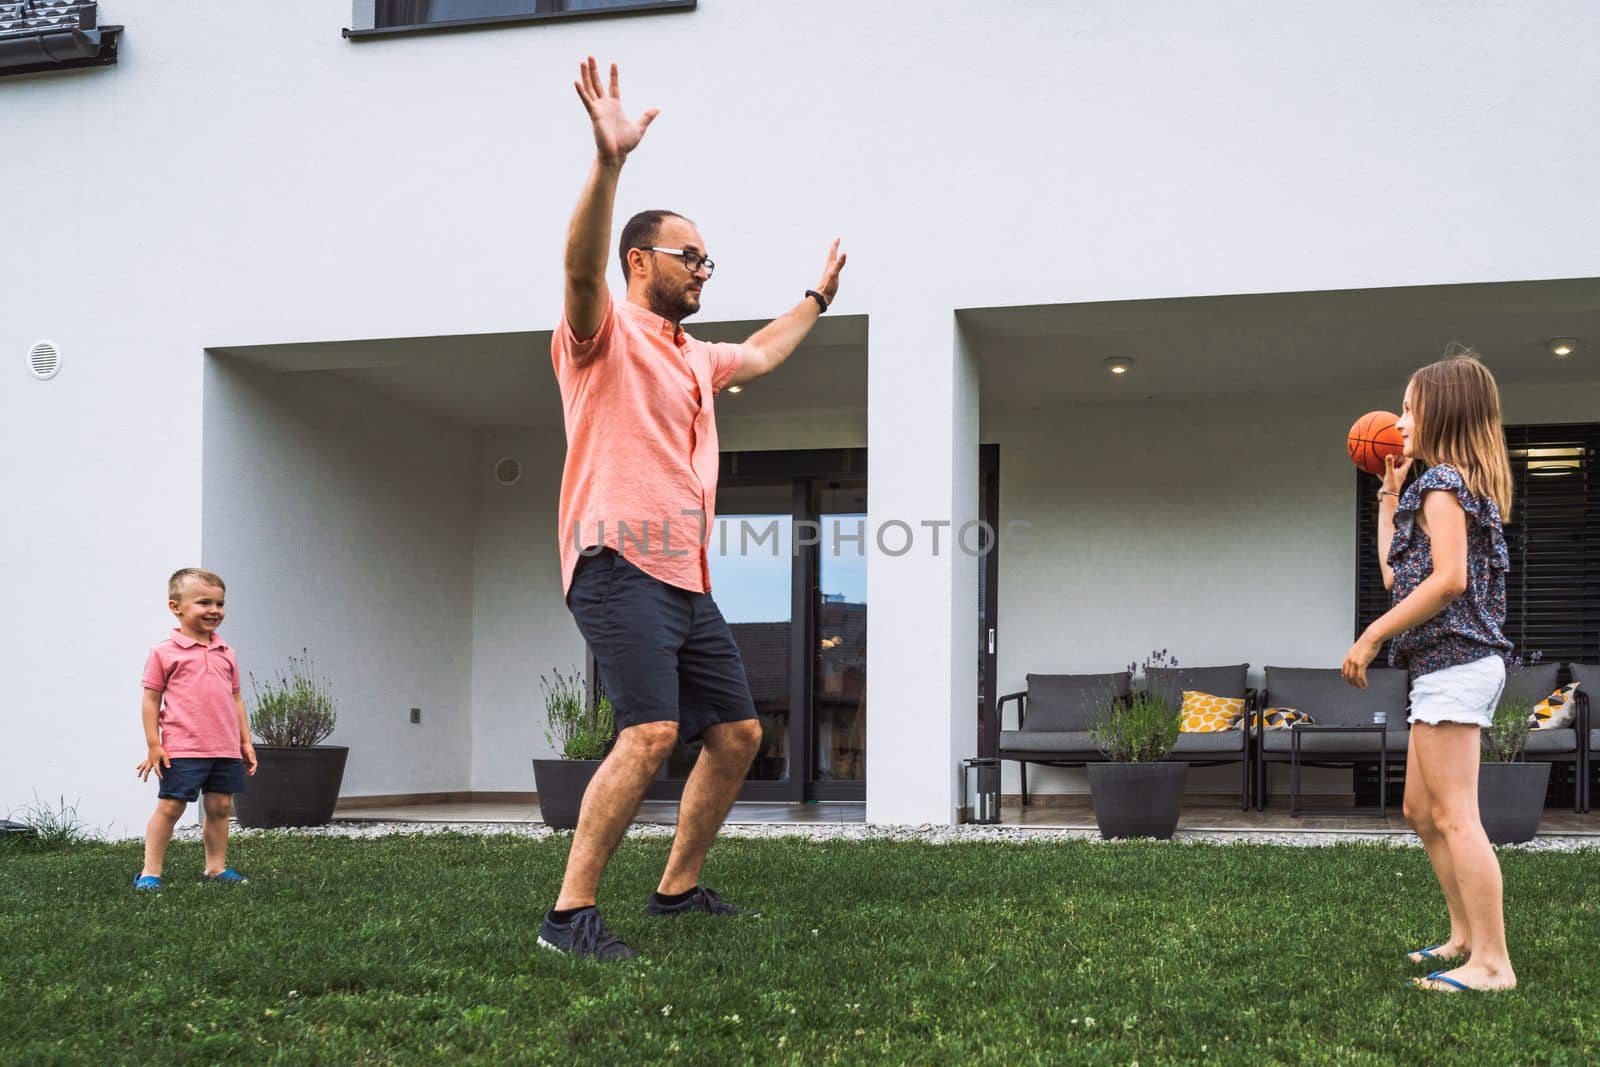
[(1373, 437)]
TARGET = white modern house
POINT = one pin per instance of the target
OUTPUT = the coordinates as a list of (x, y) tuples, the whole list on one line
[(277, 282)]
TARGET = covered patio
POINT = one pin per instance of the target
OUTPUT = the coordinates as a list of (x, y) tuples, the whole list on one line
[(1180, 468)]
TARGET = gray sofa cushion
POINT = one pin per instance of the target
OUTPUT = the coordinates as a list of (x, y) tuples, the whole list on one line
[(1531, 684), (1223, 743), (1070, 701), (1043, 742), (1322, 693), (1341, 745), (1218, 681), (1552, 742)]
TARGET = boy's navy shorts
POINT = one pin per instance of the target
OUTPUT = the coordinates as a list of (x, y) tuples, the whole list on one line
[(665, 654), (190, 776)]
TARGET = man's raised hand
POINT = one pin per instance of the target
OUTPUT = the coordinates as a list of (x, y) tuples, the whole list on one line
[(615, 134), (829, 285)]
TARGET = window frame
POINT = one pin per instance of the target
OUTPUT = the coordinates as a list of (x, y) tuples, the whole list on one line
[(631, 7)]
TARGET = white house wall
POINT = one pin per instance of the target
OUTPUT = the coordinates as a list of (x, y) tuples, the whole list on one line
[(343, 524), (245, 176), (521, 628)]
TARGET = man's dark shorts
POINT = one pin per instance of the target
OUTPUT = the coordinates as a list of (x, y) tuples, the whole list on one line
[(665, 654), (190, 776)]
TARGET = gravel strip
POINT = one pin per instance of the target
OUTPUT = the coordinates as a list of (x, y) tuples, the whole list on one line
[(933, 835)]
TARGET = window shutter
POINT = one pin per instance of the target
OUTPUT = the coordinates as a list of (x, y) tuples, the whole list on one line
[(1553, 587)]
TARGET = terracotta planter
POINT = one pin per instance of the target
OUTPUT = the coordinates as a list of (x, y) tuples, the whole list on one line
[(1137, 799), (561, 784), (1511, 800), (292, 786)]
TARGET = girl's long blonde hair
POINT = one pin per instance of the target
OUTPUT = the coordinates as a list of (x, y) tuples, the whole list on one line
[(1456, 407)]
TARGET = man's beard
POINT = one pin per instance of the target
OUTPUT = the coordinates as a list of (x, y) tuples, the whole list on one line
[(672, 306)]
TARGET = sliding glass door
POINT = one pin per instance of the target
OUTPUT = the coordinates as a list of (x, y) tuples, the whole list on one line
[(788, 571)]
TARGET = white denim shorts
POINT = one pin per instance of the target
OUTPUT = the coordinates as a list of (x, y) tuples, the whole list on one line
[(1467, 693)]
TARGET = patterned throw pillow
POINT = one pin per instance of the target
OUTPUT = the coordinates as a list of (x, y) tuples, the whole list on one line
[(1279, 719), (1556, 710), (1205, 714)]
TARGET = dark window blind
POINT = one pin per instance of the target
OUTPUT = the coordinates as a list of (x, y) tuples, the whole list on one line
[(1553, 587)]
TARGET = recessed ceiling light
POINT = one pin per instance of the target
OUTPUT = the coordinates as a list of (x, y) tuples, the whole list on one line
[(1119, 364), (735, 388), (1563, 346)]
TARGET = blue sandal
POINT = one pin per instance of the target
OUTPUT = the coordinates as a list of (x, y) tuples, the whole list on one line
[(1429, 954), (1439, 976), (228, 876), (147, 883)]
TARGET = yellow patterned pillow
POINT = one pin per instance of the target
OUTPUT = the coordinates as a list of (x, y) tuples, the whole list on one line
[(1279, 718), (1205, 714), (1556, 710)]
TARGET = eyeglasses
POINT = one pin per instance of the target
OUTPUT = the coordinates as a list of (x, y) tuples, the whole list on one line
[(692, 261)]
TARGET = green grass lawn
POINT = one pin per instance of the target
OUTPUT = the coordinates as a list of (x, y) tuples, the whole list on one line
[(412, 949)]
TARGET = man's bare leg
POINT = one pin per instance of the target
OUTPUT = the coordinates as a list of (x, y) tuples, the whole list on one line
[(609, 805), (707, 795)]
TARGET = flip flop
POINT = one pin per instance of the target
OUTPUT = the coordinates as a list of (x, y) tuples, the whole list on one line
[(1429, 954), (1439, 976)]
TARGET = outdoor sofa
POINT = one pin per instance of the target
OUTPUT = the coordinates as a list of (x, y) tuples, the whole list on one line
[(1330, 701), (1054, 717), (1056, 713)]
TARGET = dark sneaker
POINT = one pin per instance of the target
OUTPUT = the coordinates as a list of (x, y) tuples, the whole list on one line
[(700, 901), (585, 936)]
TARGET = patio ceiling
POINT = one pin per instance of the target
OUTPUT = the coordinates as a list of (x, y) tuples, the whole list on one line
[(1042, 356), (1262, 344), (504, 381)]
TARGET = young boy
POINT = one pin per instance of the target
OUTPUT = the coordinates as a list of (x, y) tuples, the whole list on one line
[(195, 727)]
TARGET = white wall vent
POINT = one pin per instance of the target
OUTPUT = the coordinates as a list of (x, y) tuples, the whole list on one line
[(44, 360), (508, 471)]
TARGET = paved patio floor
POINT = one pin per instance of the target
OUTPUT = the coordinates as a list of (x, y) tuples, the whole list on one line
[(1328, 815)]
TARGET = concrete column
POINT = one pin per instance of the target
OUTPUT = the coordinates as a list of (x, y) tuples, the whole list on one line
[(922, 588)]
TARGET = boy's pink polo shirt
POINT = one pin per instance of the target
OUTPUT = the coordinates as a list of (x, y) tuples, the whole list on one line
[(641, 470), (197, 682)]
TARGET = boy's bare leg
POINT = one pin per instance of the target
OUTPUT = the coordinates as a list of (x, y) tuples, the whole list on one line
[(157, 834), (613, 796), (707, 796), (218, 807)]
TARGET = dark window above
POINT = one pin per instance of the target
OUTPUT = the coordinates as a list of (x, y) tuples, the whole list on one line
[(39, 35), (379, 18)]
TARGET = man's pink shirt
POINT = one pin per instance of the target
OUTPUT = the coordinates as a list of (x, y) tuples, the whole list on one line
[(641, 443), (197, 684)]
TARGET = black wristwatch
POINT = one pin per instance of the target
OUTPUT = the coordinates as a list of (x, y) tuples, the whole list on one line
[(813, 294)]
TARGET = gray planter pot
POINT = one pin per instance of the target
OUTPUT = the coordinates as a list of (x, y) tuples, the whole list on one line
[(561, 784), (292, 786), (1511, 800), (1137, 799)]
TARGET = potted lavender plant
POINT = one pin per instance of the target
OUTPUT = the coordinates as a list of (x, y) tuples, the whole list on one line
[(297, 777), (1137, 792), (580, 733), (1511, 789)]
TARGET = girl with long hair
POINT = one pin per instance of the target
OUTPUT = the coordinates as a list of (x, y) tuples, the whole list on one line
[(1443, 554)]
